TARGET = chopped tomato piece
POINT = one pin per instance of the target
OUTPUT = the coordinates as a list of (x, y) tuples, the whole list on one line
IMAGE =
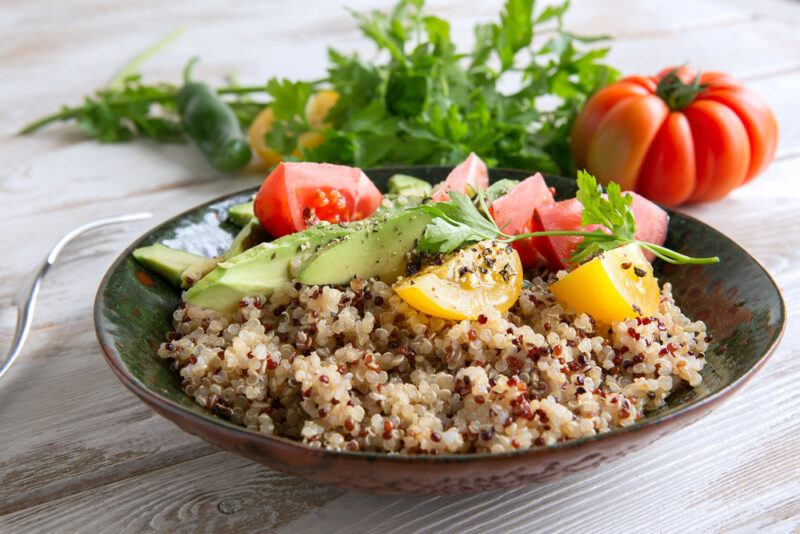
[(564, 215), (369, 198), (469, 175), (651, 226), (297, 195), (513, 213)]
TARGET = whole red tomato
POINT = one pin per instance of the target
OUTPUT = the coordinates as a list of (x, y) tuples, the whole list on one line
[(675, 137)]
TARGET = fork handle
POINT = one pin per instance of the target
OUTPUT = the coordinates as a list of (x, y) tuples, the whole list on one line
[(25, 300)]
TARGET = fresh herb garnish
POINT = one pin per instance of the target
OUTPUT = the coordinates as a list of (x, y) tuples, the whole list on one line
[(420, 101), (455, 223), (459, 222)]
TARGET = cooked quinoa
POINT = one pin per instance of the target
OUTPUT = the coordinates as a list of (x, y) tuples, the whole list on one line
[(356, 368)]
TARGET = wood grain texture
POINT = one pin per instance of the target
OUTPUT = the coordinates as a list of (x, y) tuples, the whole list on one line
[(80, 454)]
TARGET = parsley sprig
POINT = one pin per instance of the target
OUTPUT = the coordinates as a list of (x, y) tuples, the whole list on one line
[(460, 221)]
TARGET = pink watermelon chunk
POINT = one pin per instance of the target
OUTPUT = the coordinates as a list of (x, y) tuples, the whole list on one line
[(471, 173), (513, 213)]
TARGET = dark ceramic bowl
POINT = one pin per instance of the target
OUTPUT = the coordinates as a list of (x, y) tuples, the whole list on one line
[(737, 299)]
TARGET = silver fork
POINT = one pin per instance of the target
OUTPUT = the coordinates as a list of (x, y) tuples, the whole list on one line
[(25, 300)]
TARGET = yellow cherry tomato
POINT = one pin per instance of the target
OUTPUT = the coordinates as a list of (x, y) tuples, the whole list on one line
[(256, 136), (467, 284), (307, 140), (318, 107), (615, 286)]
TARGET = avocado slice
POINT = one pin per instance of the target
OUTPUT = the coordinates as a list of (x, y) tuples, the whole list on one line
[(167, 262), (403, 184), (198, 270), (259, 270), (249, 236), (378, 250), (241, 214)]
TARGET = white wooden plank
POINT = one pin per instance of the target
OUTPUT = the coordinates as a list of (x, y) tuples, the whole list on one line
[(216, 493)]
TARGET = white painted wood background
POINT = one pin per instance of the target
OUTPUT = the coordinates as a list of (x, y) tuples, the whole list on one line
[(78, 453)]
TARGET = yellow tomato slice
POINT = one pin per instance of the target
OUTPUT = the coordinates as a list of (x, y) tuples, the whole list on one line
[(615, 286), (467, 284)]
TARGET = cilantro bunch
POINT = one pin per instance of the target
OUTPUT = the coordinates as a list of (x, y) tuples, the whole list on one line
[(460, 221), (419, 100)]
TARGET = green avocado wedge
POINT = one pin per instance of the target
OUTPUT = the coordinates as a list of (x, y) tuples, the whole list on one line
[(198, 270), (249, 236), (259, 270), (241, 214), (378, 250), (168, 262), (403, 184)]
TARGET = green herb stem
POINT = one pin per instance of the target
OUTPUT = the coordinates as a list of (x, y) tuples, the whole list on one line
[(65, 114), (577, 233), (241, 89), (139, 59), (668, 255), (676, 258), (166, 95)]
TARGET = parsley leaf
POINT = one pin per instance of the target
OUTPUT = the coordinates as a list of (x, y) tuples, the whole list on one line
[(289, 98), (613, 212), (515, 31), (127, 110), (456, 223)]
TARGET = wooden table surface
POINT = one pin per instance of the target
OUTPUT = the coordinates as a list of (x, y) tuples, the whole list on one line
[(78, 453)]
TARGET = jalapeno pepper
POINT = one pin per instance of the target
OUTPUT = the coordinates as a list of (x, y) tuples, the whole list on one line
[(212, 125)]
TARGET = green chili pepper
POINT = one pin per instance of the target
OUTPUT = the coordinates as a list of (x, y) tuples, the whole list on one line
[(212, 125)]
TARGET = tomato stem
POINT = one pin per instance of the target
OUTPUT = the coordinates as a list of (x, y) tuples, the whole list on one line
[(676, 93)]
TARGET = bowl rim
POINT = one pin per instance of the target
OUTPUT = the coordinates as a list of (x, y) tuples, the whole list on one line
[(153, 399)]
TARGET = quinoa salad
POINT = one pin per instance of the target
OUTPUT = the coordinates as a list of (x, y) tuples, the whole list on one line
[(489, 345), (356, 368)]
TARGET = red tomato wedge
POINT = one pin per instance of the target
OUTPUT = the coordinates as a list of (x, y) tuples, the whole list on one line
[(513, 213), (369, 198), (471, 173), (297, 195), (651, 226), (564, 215)]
